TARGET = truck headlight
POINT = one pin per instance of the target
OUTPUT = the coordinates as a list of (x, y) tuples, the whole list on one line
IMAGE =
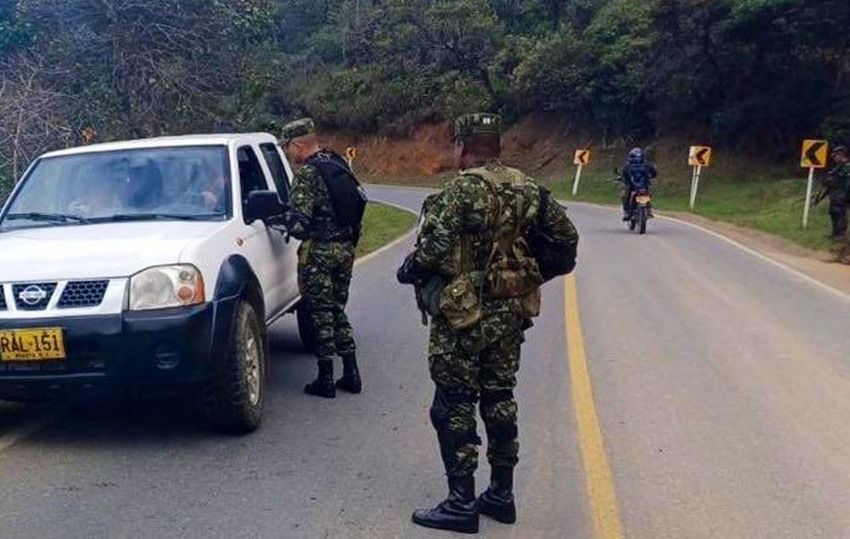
[(164, 287)]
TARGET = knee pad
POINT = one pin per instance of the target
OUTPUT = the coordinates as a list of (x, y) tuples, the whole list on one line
[(440, 410), (441, 416)]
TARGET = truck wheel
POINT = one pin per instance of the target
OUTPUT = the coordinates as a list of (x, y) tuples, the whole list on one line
[(234, 391), (306, 330)]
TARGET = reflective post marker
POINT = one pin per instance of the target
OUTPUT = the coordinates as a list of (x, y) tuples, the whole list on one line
[(580, 160), (350, 156), (808, 205), (815, 155), (699, 156), (577, 180), (695, 185)]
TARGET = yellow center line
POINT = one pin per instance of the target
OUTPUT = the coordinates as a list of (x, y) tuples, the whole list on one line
[(597, 471)]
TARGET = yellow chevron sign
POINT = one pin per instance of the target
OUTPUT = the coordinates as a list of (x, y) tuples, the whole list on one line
[(699, 156), (815, 154), (582, 158)]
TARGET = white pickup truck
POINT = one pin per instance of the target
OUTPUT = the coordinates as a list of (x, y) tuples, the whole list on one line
[(148, 263)]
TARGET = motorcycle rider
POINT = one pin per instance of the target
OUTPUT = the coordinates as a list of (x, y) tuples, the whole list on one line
[(637, 174)]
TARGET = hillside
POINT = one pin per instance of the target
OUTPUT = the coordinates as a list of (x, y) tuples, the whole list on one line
[(748, 191)]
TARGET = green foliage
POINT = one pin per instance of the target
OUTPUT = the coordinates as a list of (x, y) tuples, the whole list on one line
[(740, 72)]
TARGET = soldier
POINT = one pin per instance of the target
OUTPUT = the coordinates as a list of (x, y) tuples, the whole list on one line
[(477, 321), (837, 184), (325, 260)]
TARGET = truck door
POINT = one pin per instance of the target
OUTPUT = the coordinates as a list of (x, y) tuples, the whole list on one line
[(263, 247), (275, 165)]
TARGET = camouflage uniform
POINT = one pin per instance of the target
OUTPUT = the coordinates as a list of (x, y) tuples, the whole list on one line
[(325, 262), (480, 363), (837, 184)]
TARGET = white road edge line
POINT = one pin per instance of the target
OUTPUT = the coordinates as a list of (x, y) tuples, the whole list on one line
[(392, 244), (766, 258)]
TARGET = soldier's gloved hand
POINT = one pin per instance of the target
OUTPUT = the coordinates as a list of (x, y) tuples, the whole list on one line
[(410, 271), (297, 225)]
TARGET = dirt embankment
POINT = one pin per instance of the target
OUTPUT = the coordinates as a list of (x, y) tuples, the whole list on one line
[(427, 153), (543, 146)]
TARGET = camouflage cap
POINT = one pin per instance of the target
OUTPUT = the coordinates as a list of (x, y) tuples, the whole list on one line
[(481, 123), (296, 129)]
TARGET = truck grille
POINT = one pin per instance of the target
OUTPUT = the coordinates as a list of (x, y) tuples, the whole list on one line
[(82, 294), (33, 296), (2, 299)]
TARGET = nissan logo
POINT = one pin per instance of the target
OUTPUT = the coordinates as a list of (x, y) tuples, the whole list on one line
[(32, 295)]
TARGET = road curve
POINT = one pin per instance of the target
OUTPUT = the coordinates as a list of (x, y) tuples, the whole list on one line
[(720, 383)]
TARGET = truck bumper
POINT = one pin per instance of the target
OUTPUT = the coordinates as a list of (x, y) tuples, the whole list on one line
[(172, 347)]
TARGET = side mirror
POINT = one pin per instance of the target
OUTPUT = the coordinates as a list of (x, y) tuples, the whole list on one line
[(263, 206)]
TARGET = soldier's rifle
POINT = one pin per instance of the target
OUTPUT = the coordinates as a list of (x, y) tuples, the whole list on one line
[(822, 193)]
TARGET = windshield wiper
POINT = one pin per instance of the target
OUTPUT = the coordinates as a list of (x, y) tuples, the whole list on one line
[(129, 217), (47, 217)]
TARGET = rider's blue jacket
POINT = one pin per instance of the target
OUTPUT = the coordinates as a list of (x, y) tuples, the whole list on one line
[(639, 175)]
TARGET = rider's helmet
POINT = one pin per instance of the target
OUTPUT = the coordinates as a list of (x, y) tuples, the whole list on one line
[(636, 156)]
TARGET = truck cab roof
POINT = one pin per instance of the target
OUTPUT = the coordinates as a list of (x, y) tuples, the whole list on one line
[(221, 139)]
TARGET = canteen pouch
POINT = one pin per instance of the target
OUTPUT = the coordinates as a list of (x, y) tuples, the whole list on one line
[(515, 277), (460, 302)]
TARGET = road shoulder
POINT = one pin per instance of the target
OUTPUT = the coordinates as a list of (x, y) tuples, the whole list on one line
[(818, 265)]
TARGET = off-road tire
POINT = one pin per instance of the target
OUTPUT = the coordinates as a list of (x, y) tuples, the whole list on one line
[(233, 392), (306, 329)]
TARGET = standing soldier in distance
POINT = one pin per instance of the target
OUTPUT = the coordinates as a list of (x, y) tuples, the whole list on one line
[(479, 212), (325, 261), (837, 184)]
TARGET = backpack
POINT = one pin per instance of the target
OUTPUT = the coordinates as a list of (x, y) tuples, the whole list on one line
[(553, 239), (348, 198), (512, 271)]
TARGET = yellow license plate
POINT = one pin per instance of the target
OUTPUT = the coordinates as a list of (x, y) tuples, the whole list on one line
[(643, 200), (37, 344)]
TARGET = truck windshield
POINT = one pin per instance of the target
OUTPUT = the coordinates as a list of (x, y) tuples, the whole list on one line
[(120, 186)]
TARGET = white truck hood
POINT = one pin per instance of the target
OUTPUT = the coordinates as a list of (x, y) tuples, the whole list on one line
[(95, 251)]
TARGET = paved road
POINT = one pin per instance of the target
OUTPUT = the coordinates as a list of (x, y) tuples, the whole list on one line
[(721, 387)]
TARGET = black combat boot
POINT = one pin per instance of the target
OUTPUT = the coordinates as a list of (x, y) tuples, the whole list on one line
[(497, 502), (350, 380), (323, 386), (456, 513)]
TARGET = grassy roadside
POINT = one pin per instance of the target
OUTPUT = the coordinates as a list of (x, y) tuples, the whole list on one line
[(381, 225), (772, 206)]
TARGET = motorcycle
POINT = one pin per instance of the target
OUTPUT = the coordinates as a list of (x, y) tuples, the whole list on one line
[(640, 206), (641, 210)]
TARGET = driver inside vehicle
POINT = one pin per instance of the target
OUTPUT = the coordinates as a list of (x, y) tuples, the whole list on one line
[(142, 189), (211, 187)]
